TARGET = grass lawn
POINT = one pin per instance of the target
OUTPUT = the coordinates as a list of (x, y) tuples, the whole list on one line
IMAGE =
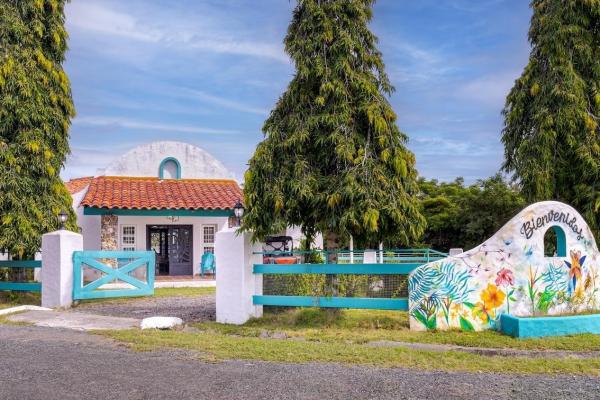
[(361, 326), (13, 299), (317, 336)]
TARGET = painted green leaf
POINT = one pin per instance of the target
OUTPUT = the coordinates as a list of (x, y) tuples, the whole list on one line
[(432, 322), (418, 315), (466, 325), (470, 305)]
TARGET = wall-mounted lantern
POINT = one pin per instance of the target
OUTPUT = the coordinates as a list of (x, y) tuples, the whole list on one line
[(62, 218), (238, 211)]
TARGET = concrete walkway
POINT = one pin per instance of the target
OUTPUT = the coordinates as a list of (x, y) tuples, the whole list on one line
[(74, 320)]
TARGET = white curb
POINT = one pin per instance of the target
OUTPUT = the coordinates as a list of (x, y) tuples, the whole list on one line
[(16, 309)]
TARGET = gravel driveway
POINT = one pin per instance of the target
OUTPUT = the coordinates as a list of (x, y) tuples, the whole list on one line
[(48, 364), (190, 309)]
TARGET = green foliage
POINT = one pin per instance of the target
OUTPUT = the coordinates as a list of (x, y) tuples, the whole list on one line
[(459, 216), (551, 115), (333, 158), (35, 112)]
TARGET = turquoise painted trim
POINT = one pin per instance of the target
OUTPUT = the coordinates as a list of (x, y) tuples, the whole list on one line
[(332, 302), (157, 213), (133, 261), (161, 168), (21, 286), (20, 264), (549, 326), (561, 241), (336, 269)]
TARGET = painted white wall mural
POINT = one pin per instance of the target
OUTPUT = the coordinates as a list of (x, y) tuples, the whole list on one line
[(509, 273)]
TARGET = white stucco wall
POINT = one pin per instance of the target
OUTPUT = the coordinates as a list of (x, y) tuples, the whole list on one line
[(89, 224), (145, 161), (140, 224)]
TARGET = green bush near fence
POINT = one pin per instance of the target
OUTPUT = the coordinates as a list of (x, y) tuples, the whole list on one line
[(350, 285)]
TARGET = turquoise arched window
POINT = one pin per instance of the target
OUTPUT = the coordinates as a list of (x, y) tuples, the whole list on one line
[(555, 242), (169, 169)]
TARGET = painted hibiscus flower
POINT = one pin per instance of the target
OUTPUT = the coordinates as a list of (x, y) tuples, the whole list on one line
[(492, 297), (505, 278), (483, 312)]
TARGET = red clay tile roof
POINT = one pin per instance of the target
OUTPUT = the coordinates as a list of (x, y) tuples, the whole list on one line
[(153, 193), (78, 184)]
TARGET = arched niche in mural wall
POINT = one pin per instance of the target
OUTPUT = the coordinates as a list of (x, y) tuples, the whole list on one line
[(555, 242), (509, 273)]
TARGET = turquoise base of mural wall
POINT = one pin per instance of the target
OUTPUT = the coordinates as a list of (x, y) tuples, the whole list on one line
[(549, 326)]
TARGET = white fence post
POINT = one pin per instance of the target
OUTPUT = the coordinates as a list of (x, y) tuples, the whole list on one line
[(57, 267), (236, 284)]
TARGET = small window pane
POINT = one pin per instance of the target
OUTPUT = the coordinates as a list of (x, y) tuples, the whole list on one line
[(128, 238), (209, 234)]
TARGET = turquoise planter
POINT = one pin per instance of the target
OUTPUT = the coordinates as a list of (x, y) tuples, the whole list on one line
[(531, 327)]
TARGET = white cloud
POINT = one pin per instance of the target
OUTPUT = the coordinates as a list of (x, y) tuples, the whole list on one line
[(223, 102), (90, 16), (490, 90), (206, 35), (133, 124), (436, 146), (417, 64)]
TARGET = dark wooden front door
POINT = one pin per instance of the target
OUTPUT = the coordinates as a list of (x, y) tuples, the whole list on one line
[(173, 245), (180, 250)]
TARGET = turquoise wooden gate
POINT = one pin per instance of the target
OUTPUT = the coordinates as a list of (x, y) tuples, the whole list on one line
[(126, 263), (21, 286)]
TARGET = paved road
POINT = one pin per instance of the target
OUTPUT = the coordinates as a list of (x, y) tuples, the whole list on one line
[(47, 363)]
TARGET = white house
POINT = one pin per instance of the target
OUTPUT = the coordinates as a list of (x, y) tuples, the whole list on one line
[(169, 197)]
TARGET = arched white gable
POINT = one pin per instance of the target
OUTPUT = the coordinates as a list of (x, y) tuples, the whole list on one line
[(146, 160)]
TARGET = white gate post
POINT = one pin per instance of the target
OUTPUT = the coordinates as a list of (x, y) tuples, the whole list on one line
[(57, 267), (236, 284)]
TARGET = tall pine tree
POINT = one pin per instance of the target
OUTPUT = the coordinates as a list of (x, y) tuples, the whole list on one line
[(551, 134), (333, 159), (35, 113)]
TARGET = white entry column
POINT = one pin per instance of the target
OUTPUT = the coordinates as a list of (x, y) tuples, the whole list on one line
[(57, 267), (236, 284)]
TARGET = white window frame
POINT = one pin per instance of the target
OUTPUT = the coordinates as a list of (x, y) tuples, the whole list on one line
[(209, 245), (122, 235)]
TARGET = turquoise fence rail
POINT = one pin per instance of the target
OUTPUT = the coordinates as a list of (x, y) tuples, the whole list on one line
[(389, 262), (126, 262), (333, 269), (400, 304), (344, 256), (21, 286)]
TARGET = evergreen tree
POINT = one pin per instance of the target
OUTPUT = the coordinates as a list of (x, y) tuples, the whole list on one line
[(333, 159), (35, 112), (551, 134)]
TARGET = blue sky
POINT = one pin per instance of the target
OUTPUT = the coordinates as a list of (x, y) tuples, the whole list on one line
[(208, 72)]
